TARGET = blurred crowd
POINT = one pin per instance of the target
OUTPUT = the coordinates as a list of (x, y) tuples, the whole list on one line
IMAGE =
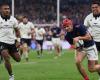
[(45, 11), (38, 11)]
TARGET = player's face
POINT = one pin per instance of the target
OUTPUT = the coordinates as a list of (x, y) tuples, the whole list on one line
[(69, 28), (25, 20), (5, 10), (95, 9)]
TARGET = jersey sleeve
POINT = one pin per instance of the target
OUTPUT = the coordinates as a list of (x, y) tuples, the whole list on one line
[(19, 25), (15, 23), (86, 21), (82, 30), (69, 38), (43, 31), (59, 30), (32, 25)]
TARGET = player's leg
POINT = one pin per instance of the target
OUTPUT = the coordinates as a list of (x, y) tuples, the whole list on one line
[(5, 55), (49, 46), (98, 46), (14, 52), (38, 48), (57, 46), (41, 46), (25, 48), (79, 57), (25, 51), (59, 49), (54, 41), (93, 65), (1, 59)]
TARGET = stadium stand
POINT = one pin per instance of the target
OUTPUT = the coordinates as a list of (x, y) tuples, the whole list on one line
[(44, 11)]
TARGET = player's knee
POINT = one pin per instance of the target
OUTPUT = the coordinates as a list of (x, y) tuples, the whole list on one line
[(78, 61), (5, 56), (19, 60), (7, 59), (91, 69)]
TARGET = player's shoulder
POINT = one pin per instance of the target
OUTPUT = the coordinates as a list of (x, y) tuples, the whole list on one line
[(89, 16), (30, 22), (41, 28), (13, 18), (78, 26), (0, 17), (20, 23)]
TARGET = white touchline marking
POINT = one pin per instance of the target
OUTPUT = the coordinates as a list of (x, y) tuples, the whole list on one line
[(24, 63)]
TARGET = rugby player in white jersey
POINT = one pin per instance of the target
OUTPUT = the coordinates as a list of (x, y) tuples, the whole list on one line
[(26, 31), (39, 36), (8, 28), (92, 21)]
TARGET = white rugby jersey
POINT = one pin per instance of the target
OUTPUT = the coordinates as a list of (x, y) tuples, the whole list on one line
[(38, 33), (94, 25), (25, 29), (7, 31)]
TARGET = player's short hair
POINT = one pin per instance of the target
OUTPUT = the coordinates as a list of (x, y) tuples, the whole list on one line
[(5, 3), (25, 16), (96, 2)]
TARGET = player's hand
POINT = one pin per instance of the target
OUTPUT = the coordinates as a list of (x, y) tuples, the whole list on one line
[(18, 44), (76, 39)]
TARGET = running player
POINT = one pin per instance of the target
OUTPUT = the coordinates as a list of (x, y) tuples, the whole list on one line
[(26, 30), (48, 38), (78, 32), (8, 27), (39, 36), (92, 21), (56, 33)]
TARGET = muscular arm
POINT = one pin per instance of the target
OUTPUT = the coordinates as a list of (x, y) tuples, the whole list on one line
[(17, 32), (86, 37)]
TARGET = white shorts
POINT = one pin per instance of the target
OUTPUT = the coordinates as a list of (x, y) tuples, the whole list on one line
[(56, 41), (92, 53)]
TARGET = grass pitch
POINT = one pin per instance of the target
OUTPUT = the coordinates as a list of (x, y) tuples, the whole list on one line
[(47, 68)]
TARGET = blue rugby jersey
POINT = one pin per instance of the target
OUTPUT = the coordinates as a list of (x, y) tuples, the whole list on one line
[(56, 32), (78, 30)]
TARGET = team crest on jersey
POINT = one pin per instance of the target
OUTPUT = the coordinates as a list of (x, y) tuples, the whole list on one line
[(77, 26)]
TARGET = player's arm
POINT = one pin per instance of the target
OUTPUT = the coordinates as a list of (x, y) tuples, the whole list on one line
[(32, 29), (85, 34), (42, 32), (17, 31), (61, 32)]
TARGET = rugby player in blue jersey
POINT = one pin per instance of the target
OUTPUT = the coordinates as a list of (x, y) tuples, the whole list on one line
[(78, 32)]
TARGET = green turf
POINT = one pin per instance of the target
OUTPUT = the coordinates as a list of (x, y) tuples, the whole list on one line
[(47, 68)]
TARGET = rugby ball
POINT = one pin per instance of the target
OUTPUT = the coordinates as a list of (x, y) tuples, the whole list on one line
[(80, 43)]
